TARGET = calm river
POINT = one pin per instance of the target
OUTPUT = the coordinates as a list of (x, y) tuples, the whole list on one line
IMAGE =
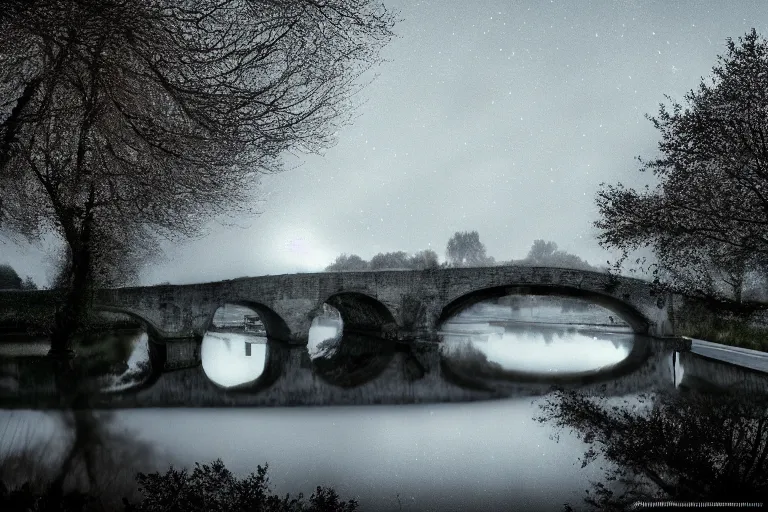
[(490, 455)]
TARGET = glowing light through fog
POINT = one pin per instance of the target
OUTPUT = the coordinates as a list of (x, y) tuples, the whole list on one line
[(303, 254), (225, 361)]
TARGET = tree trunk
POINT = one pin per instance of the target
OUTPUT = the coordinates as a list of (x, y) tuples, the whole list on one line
[(72, 313)]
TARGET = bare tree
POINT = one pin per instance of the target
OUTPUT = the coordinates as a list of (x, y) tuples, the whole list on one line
[(127, 119)]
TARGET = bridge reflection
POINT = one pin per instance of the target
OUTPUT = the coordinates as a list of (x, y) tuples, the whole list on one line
[(361, 370)]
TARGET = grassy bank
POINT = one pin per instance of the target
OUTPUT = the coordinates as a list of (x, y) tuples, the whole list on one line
[(733, 331)]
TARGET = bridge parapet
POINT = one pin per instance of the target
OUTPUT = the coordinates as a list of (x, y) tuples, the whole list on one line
[(407, 301)]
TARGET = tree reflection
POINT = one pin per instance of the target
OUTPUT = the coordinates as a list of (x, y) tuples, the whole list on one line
[(92, 469), (682, 447)]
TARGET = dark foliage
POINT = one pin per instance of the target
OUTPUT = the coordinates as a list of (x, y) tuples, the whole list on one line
[(707, 219), (400, 260), (207, 488), (9, 279), (122, 121), (464, 249), (682, 447)]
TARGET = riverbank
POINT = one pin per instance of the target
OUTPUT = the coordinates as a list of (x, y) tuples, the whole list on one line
[(726, 331)]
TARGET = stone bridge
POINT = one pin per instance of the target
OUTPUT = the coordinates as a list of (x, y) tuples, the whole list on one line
[(399, 304)]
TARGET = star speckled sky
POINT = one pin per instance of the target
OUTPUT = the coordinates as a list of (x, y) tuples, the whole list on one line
[(491, 115)]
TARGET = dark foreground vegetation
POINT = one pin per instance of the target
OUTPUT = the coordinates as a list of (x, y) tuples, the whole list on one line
[(207, 488), (682, 446)]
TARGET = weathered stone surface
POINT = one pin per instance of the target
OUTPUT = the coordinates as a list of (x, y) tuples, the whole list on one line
[(400, 306), (410, 302)]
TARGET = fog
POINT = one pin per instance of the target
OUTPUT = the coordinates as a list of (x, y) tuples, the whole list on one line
[(496, 116)]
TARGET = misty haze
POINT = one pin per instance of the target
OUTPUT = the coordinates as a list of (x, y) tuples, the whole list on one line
[(378, 255)]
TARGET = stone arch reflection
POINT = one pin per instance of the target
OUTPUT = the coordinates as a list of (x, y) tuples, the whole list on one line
[(361, 312), (235, 348), (538, 337), (325, 331), (349, 357)]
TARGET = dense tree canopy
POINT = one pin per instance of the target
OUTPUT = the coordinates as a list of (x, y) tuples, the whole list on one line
[(546, 254), (9, 279), (347, 262), (464, 249), (707, 219), (121, 120), (423, 260), (398, 259), (391, 260)]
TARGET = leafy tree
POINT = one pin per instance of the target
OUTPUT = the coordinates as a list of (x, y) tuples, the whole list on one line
[(127, 120), (9, 279), (707, 219), (28, 284), (541, 251), (681, 447), (397, 259), (545, 254), (390, 260), (464, 249), (344, 262), (423, 260)]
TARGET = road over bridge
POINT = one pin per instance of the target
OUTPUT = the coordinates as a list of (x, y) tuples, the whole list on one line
[(401, 304)]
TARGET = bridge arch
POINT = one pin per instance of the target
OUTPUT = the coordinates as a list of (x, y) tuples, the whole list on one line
[(636, 320), (360, 311), (276, 327), (153, 331)]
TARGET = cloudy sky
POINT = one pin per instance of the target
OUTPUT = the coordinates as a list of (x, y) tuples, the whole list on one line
[(491, 115)]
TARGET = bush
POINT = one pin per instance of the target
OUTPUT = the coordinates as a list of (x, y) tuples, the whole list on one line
[(214, 488), (208, 488)]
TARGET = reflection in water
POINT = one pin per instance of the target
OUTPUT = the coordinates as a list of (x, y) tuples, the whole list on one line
[(234, 350), (683, 447), (324, 336), (536, 349), (493, 455), (136, 367), (352, 359), (453, 457), (109, 361), (72, 449), (231, 359)]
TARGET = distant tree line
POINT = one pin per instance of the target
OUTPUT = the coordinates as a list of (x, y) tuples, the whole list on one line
[(421, 260), (464, 249)]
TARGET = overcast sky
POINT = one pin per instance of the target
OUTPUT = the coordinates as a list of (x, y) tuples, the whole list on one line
[(498, 116)]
